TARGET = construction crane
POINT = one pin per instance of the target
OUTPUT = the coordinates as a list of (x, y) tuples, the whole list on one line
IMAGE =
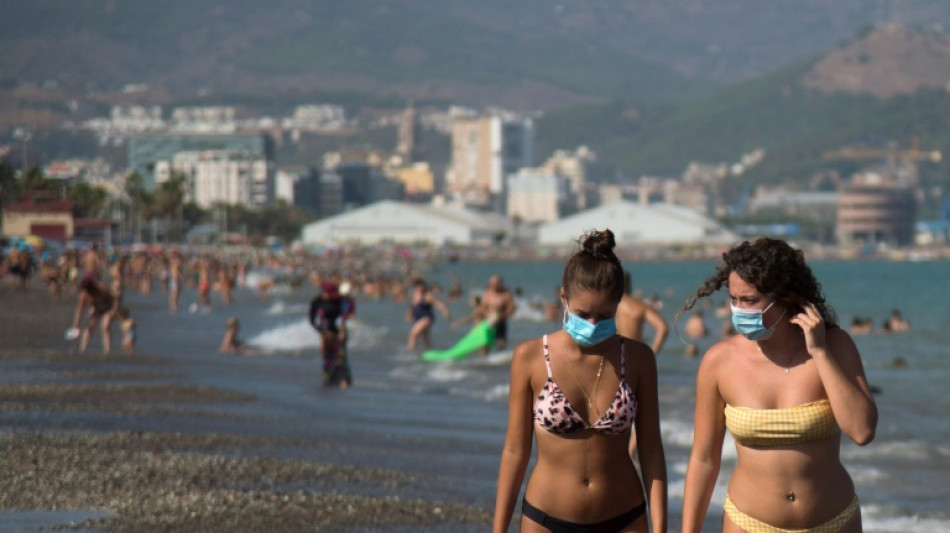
[(912, 156)]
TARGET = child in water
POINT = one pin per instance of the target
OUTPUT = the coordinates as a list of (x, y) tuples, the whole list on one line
[(231, 344), (127, 323)]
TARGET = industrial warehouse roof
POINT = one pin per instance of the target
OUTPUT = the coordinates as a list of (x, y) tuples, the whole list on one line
[(390, 221), (635, 223)]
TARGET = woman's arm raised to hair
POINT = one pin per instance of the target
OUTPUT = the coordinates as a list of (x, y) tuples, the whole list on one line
[(842, 375)]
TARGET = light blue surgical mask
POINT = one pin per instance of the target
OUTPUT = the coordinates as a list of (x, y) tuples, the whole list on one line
[(587, 334), (748, 322)]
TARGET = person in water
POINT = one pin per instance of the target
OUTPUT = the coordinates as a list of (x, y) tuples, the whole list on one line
[(498, 305), (328, 316), (100, 305), (786, 387), (632, 313), (421, 314), (580, 392)]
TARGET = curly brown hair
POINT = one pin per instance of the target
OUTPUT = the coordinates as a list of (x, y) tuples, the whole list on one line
[(777, 270), (594, 267)]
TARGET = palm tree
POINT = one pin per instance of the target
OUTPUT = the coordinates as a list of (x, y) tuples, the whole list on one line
[(170, 200)]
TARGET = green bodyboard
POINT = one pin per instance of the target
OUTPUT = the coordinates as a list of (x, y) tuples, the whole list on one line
[(482, 335)]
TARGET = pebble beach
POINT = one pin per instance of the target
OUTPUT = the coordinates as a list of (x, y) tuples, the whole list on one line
[(141, 442)]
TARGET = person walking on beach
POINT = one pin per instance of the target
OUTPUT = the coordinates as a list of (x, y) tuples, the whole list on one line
[(205, 268), (421, 314), (786, 386), (499, 305), (328, 316), (632, 313), (580, 392), (176, 279)]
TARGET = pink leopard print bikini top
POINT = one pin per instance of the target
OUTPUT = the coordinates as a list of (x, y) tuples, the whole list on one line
[(554, 413)]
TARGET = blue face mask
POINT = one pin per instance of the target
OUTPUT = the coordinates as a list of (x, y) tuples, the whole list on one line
[(587, 334), (748, 322)]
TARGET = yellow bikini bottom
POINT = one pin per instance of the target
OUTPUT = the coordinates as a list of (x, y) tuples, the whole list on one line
[(751, 525)]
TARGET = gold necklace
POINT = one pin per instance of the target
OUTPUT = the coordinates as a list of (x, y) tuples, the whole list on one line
[(788, 360), (593, 391)]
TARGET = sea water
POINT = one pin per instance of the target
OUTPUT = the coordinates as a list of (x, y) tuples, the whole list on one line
[(448, 419)]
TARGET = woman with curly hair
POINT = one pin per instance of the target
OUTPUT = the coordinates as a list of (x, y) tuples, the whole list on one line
[(580, 392), (786, 387)]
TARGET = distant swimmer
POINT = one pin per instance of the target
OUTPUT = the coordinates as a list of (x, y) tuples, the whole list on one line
[(896, 322), (861, 326), (695, 328)]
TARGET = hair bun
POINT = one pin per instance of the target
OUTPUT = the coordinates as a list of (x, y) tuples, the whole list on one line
[(599, 244)]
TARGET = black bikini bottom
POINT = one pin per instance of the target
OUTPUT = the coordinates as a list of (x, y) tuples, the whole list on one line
[(611, 525)]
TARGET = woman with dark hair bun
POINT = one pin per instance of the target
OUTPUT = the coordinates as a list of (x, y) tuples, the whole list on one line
[(579, 392), (786, 387)]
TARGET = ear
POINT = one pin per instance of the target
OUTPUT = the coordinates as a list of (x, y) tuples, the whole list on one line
[(562, 294)]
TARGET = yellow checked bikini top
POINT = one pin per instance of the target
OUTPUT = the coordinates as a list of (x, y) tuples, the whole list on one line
[(780, 427)]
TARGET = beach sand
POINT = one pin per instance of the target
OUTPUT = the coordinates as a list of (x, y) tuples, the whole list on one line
[(71, 440)]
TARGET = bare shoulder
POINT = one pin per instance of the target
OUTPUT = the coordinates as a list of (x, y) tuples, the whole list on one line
[(638, 358), (838, 335), (630, 306), (718, 355), (635, 350), (527, 353), (841, 344)]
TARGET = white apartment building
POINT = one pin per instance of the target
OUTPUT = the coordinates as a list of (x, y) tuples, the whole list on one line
[(573, 166), (316, 118), (221, 176), (205, 119), (535, 195), (484, 151), (136, 118)]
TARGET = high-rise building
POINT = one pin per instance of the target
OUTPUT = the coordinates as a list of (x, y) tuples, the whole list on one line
[(363, 184), (222, 176), (407, 145), (485, 150)]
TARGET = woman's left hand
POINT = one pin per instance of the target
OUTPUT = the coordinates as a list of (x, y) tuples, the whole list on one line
[(813, 326)]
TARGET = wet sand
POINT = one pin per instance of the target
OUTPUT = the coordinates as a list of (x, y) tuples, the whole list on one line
[(72, 439)]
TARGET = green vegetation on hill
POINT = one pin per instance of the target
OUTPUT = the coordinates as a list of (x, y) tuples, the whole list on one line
[(795, 125)]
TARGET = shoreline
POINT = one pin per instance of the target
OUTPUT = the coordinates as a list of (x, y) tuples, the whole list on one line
[(73, 440)]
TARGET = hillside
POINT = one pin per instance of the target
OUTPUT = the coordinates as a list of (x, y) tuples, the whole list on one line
[(888, 61), (531, 54), (420, 49), (786, 113)]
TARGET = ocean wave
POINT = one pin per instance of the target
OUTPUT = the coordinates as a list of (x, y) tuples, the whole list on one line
[(676, 433), (498, 392), (866, 475), (880, 519), (300, 335), (912, 450), (281, 308), (445, 373)]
